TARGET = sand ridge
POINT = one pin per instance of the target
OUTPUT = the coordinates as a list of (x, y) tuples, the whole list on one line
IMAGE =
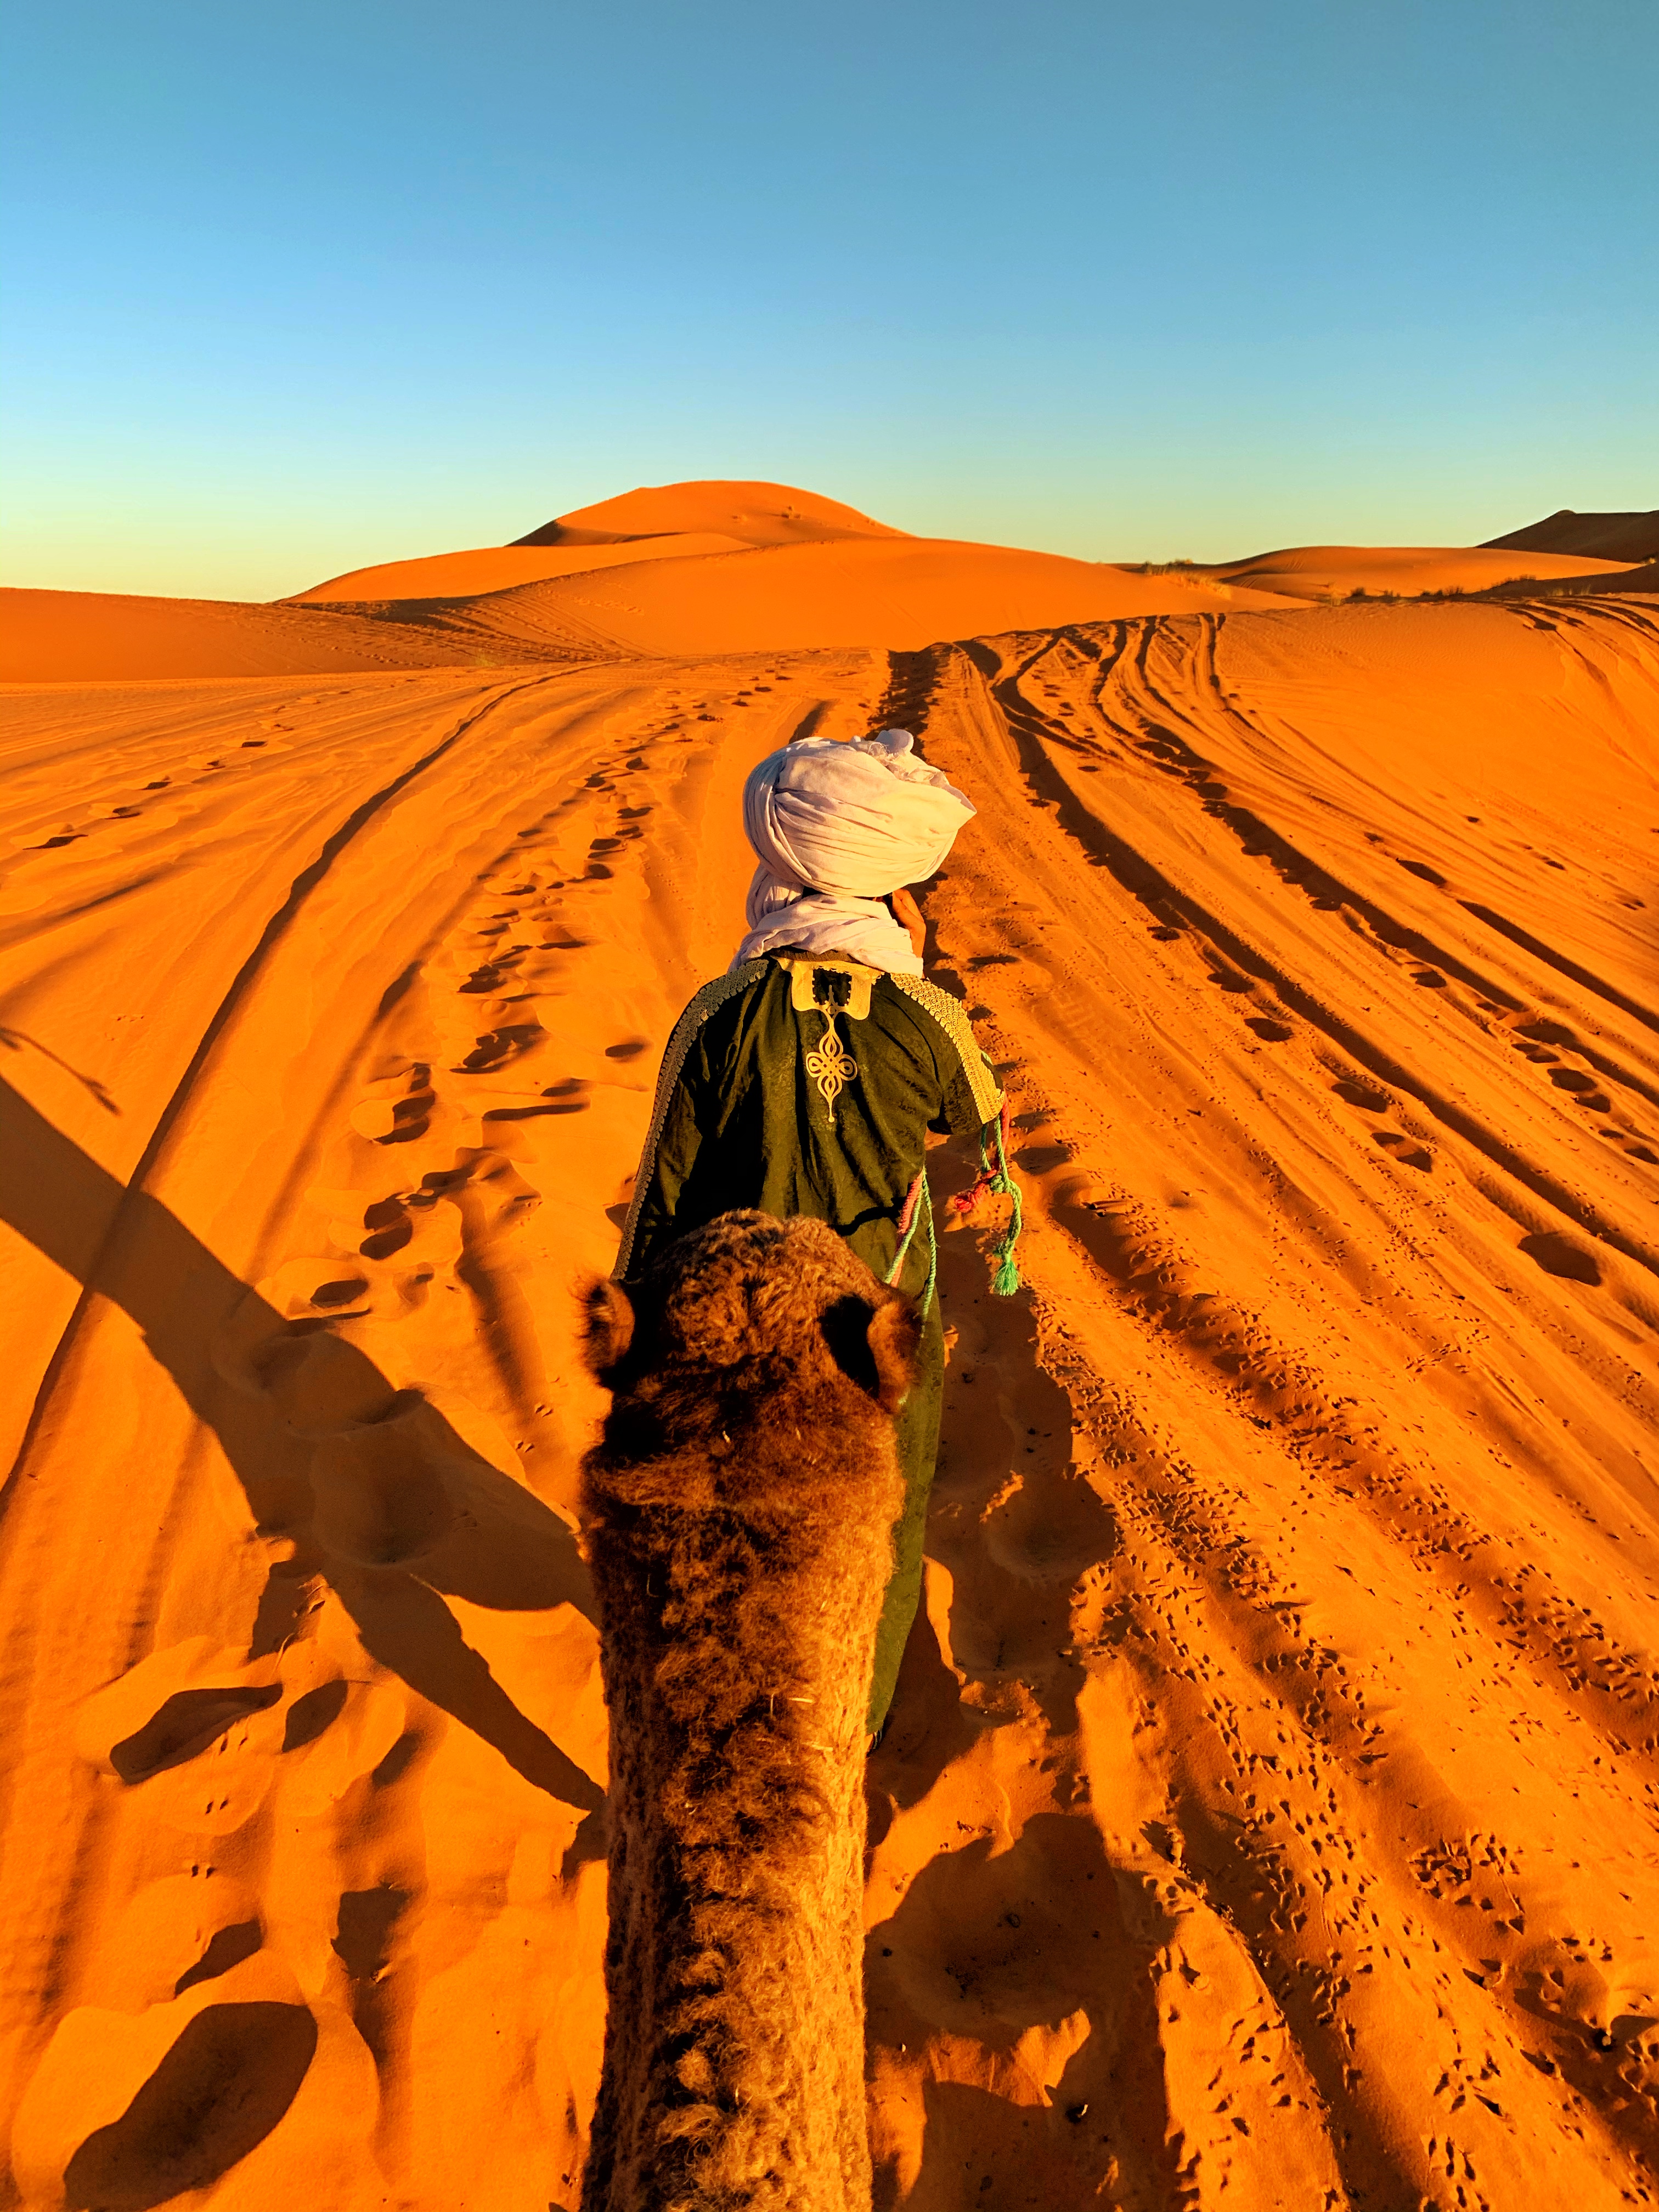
[(656, 598), (1267, 1814), (1341, 572), (108, 636), (756, 513), (499, 568)]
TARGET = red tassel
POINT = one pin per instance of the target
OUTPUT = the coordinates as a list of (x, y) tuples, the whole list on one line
[(964, 1201)]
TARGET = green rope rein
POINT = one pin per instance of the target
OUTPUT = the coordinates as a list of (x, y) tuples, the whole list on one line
[(1006, 1280), (921, 1209)]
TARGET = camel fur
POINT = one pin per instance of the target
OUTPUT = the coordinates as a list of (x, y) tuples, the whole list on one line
[(739, 1509)]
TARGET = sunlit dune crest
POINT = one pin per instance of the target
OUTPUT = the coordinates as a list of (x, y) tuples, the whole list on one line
[(499, 568), (754, 514), (1265, 1815)]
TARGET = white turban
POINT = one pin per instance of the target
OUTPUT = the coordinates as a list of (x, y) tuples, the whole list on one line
[(835, 827)]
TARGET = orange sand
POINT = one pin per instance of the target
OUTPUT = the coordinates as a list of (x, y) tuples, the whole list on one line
[(754, 513), (91, 636), (1266, 1815), (1332, 571), (669, 598), (760, 568), (499, 568)]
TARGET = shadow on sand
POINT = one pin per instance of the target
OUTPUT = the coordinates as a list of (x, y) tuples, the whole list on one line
[(378, 1492)]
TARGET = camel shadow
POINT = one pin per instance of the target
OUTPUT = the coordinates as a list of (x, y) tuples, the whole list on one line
[(1012, 1521), (1023, 1953), (378, 1492), (1022, 1959)]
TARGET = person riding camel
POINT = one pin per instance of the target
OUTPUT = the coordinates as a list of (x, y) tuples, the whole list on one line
[(805, 1080)]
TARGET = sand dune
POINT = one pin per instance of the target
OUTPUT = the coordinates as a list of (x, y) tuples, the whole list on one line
[(754, 514), (757, 568), (1643, 580), (1334, 572), (94, 637), (891, 593), (651, 595), (1632, 537), (500, 568), (1267, 1814)]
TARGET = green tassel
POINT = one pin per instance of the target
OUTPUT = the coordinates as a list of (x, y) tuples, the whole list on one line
[(1006, 1280), (922, 1211)]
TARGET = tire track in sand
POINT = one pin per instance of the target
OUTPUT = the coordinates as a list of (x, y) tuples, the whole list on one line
[(1232, 1677)]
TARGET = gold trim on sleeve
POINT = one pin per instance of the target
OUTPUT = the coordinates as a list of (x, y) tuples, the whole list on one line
[(952, 1018)]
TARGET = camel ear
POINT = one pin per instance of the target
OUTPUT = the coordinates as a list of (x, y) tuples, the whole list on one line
[(607, 1325), (895, 1340)]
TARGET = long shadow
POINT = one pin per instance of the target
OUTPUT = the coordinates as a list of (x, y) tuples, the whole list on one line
[(380, 1494), (984, 1946)]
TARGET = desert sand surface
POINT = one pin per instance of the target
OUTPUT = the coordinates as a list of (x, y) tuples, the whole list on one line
[(1336, 571), (1266, 1815), (701, 567), (888, 592), (754, 513), (89, 636), (768, 567), (482, 568), (1643, 580)]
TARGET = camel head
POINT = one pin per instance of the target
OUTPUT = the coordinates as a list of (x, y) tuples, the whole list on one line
[(739, 1327)]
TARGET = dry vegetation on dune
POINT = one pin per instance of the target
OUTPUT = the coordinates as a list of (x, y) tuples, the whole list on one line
[(1266, 1815)]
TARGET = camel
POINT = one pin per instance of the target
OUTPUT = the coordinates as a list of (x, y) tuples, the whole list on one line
[(739, 1509)]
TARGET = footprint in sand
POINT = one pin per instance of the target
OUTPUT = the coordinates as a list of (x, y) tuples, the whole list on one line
[(389, 1228), (199, 2107), (1560, 1256), (1361, 1095), (1401, 1148), (399, 1110), (1049, 1527), (184, 1725), (1394, 1142), (191, 1728), (1583, 1089), (381, 1499), (174, 1936), (314, 1382), (496, 1046), (229, 1946), (567, 1096)]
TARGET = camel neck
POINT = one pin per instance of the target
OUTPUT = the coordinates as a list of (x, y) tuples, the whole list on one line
[(736, 1654)]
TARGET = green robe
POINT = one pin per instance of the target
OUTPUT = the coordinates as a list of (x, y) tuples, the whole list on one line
[(800, 1084)]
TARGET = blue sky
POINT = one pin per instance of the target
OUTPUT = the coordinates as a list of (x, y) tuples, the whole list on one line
[(292, 289)]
